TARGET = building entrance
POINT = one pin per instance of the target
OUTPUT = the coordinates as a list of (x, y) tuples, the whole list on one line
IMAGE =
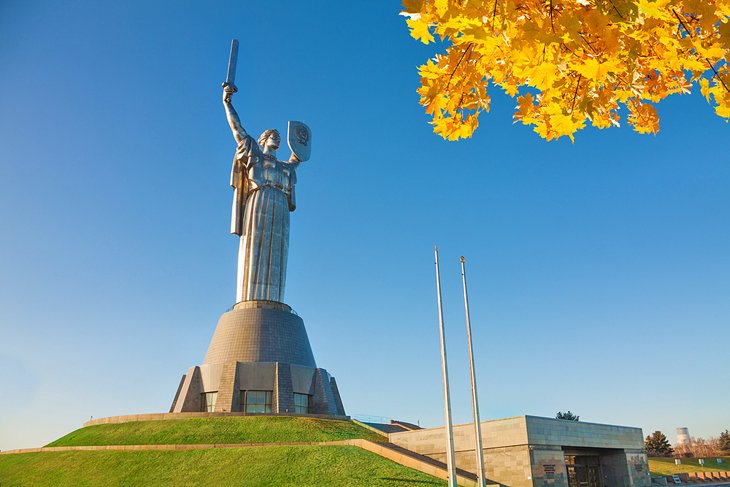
[(583, 471)]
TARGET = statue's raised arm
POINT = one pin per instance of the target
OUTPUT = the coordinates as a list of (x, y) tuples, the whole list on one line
[(233, 120)]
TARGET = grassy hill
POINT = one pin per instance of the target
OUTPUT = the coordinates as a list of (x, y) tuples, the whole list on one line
[(247, 466), (262, 465), (234, 429), (281, 465), (666, 466)]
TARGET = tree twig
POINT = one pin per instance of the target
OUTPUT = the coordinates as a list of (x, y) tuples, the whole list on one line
[(616, 9), (682, 22), (588, 43), (471, 44), (494, 14), (580, 76), (717, 75), (551, 16)]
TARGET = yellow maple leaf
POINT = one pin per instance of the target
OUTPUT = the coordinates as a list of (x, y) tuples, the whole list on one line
[(705, 89), (420, 30), (525, 109), (723, 9), (655, 9), (442, 6), (430, 70), (565, 124), (412, 5), (468, 127), (723, 110), (644, 118), (593, 69), (543, 75)]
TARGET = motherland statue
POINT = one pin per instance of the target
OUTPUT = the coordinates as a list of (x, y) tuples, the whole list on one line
[(259, 360), (263, 196)]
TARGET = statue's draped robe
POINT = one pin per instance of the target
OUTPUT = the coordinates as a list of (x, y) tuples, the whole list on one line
[(262, 199)]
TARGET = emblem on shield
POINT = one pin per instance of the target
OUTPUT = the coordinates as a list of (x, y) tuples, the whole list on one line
[(299, 137)]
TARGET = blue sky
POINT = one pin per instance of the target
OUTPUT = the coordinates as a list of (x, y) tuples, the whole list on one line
[(599, 271)]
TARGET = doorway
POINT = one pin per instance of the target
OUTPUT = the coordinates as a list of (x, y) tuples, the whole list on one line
[(583, 470)]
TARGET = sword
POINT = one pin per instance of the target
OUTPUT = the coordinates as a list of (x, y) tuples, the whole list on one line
[(233, 58)]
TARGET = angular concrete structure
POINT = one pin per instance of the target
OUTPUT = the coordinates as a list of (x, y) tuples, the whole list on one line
[(529, 451), (259, 361)]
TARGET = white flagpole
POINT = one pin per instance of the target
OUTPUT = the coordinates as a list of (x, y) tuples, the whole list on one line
[(445, 379), (475, 403)]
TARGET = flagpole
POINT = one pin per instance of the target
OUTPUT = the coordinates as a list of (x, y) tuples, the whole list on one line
[(474, 401), (445, 380)]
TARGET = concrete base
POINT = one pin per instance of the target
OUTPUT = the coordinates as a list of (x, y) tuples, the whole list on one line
[(528, 451), (231, 380), (259, 346)]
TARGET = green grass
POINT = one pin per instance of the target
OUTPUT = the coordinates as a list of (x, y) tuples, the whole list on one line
[(281, 465), (237, 429), (666, 466)]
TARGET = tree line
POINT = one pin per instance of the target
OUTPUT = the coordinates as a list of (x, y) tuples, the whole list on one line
[(657, 445)]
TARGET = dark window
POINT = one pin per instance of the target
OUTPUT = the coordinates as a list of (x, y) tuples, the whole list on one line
[(302, 403), (207, 401), (256, 401)]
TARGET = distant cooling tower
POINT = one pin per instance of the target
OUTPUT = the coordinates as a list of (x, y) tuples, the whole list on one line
[(683, 436)]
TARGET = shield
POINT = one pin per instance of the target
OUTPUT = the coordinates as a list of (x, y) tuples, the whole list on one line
[(300, 140)]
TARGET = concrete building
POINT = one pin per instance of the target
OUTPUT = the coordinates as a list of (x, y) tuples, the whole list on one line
[(529, 451), (259, 361)]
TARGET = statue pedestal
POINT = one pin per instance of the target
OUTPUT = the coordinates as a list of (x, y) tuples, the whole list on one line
[(259, 361), (260, 331)]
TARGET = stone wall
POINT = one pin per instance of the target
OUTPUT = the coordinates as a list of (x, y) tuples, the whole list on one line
[(529, 451), (615, 469), (548, 466), (506, 453), (508, 465), (638, 468), (548, 431), (495, 434)]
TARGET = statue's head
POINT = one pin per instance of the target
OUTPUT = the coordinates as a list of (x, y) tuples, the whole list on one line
[(270, 139)]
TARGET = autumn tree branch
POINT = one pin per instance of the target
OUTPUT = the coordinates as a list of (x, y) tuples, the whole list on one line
[(717, 75)]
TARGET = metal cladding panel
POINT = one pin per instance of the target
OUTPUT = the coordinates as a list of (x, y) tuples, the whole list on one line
[(260, 335), (211, 377), (256, 376), (302, 379)]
